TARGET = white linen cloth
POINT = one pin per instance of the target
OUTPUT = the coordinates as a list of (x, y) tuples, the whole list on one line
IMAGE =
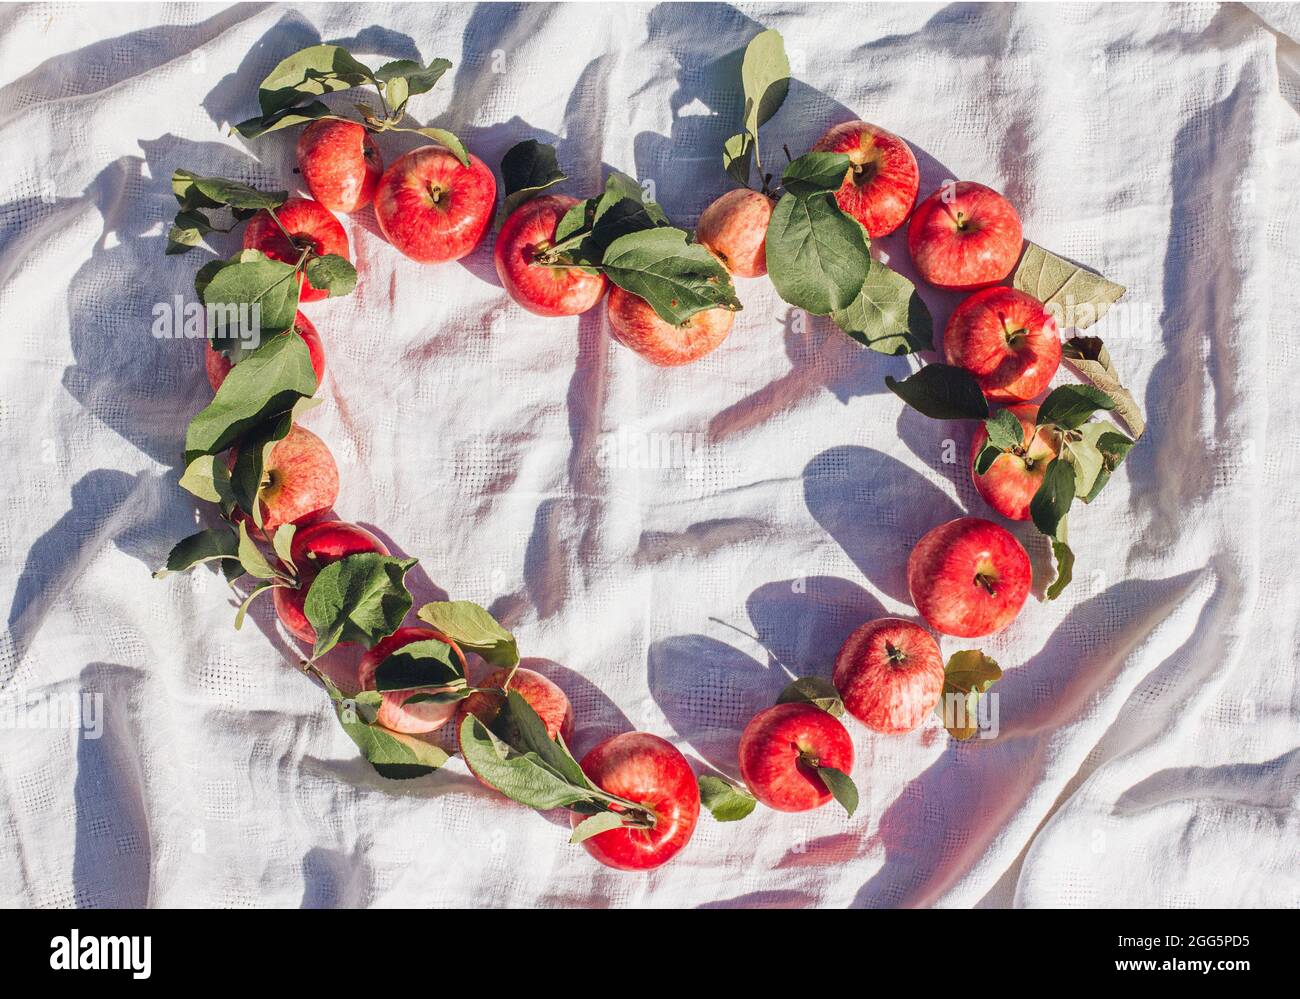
[(668, 539)]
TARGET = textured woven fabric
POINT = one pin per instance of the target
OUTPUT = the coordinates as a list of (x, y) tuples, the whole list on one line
[(675, 543)]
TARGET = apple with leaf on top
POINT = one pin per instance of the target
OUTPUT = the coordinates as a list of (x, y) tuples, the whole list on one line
[(670, 300)]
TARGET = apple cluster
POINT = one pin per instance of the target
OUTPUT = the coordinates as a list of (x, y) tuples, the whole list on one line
[(669, 296)]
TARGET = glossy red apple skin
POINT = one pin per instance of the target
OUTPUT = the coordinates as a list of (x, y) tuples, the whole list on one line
[(304, 481), (1007, 339), (1011, 481), (340, 163), (217, 365), (968, 577), (734, 229), (889, 674), (394, 714), (772, 750), (542, 290), (964, 236), (313, 548), (542, 695), (883, 179), (638, 327), (433, 209), (650, 771), (311, 224)]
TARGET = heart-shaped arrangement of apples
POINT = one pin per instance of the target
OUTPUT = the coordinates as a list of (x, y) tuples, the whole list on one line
[(670, 298)]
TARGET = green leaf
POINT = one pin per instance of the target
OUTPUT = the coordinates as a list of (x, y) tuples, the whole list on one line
[(259, 125), (1004, 430), (817, 257), (187, 232), (969, 674), (596, 824), (205, 546), (1089, 356), (266, 383), (521, 776), (942, 392), (251, 296), (841, 787), (188, 196), (426, 663), (725, 801), (220, 191), (575, 220), (473, 629), (419, 79), (255, 448), (1114, 447), (1064, 567), (1004, 434), (1052, 500), (738, 157), (888, 315), (253, 594), (1081, 450), (251, 557), (619, 187), (208, 478), (392, 754), (677, 278), (1070, 406), (621, 210), (1077, 298), (447, 139), (282, 542), (333, 274), (527, 169), (765, 75), (815, 173), (310, 72), (360, 598), (814, 690), (521, 726)]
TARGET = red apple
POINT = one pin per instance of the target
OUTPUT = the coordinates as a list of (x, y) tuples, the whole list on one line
[(312, 549), (1014, 477), (880, 187), (340, 162), (433, 209), (968, 577), (637, 326), (1007, 340), (964, 236), (781, 749), (218, 364), (542, 695), (647, 770), (312, 227), (734, 229), (301, 480), (890, 675), (544, 290), (394, 713)]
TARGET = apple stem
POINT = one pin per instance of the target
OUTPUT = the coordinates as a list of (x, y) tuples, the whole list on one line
[(641, 816), (987, 582), (280, 225), (958, 218), (896, 655)]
